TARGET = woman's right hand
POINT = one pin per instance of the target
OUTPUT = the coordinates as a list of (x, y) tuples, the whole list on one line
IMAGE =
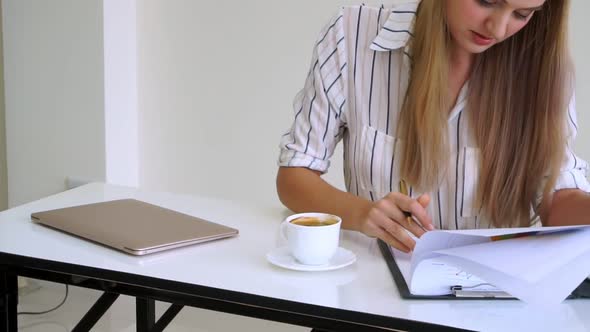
[(386, 219)]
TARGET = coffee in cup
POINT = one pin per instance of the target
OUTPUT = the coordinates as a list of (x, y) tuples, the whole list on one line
[(315, 221), (312, 238)]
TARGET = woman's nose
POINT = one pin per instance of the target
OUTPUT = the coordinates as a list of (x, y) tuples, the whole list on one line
[(497, 25)]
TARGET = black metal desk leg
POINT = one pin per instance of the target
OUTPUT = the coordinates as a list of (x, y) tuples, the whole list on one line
[(96, 312), (8, 300), (145, 314), (167, 317)]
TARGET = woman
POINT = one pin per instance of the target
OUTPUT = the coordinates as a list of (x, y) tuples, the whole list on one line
[(470, 102)]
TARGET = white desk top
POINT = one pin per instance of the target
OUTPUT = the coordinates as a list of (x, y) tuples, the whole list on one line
[(239, 264)]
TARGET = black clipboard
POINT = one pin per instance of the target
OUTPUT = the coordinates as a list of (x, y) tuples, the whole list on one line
[(582, 292)]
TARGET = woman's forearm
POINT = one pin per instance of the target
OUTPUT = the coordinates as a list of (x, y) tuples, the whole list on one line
[(303, 190), (569, 207)]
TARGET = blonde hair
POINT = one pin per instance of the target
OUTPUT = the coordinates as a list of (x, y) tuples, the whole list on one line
[(422, 121), (518, 95)]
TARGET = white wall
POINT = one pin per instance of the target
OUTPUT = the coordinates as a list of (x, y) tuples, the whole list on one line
[(120, 92), (53, 67), (216, 85), (580, 25), (3, 172)]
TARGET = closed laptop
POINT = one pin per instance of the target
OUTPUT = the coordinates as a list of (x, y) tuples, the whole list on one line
[(133, 226)]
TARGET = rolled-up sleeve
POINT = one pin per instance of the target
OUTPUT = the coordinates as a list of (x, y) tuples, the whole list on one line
[(574, 169), (320, 107)]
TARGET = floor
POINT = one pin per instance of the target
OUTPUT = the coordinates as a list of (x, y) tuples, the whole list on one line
[(41, 295)]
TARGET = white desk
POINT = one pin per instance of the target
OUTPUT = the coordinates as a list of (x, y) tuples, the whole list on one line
[(232, 275)]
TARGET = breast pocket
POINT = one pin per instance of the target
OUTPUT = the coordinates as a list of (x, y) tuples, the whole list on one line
[(379, 163), (470, 206)]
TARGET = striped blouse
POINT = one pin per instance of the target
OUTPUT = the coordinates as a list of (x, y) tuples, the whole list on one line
[(354, 92)]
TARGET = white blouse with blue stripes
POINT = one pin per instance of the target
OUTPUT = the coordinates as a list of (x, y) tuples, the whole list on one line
[(354, 92)]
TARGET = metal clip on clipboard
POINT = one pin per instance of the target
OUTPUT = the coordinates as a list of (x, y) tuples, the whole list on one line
[(460, 291)]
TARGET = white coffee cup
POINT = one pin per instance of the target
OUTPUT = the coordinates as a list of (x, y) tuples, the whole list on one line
[(312, 244)]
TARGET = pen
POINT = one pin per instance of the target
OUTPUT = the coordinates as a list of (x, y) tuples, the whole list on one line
[(403, 188)]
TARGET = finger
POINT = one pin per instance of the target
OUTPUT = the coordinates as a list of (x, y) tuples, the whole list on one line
[(414, 227), (424, 200), (390, 240), (406, 221), (390, 209), (408, 204), (394, 228), (383, 222)]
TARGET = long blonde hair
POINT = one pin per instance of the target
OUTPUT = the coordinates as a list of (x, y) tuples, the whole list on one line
[(518, 96)]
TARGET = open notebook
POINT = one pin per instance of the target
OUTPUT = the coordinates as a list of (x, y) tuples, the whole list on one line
[(538, 265)]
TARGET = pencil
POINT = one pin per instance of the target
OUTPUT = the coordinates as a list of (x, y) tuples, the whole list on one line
[(403, 188)]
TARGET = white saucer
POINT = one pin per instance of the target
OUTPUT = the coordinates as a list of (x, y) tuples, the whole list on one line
[(281, 257)]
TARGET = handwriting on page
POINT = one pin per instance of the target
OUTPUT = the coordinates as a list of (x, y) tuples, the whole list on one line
[(433, 277)]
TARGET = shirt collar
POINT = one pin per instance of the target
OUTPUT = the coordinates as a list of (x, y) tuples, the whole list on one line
[(398, 29)]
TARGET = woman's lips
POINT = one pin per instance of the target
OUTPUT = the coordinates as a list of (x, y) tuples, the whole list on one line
[(481, 39)]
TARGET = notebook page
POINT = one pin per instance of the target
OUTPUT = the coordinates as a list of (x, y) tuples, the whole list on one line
[(504, 231), (541, 270), (403, 261), (437, 240), (551, 290), (447, 273), (529, 258), (434, 276)]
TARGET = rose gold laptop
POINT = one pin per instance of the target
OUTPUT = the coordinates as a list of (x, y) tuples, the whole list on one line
[(132, 226)]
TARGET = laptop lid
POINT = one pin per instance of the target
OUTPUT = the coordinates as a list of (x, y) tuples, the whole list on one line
[(133, 226)]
